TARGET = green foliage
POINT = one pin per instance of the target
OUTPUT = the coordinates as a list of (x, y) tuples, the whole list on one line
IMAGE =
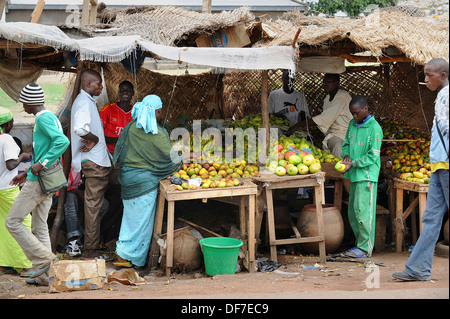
[(351, 7)]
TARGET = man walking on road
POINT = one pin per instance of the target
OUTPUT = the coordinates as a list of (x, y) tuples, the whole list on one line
[(418, 266)]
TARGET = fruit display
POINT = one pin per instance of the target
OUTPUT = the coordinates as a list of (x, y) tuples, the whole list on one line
[(214, 175), (255, 121), (298, 145), (294, 156), (411, 155), (398, 130)]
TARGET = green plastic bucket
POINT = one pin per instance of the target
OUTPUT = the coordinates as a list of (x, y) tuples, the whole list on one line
[(220, 254)]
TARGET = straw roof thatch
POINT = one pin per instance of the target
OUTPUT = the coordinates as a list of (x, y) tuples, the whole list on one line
[(167, 25), (418, 38)]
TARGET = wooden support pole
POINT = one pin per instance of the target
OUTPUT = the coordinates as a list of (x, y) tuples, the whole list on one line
[(89, 13), (2, 7), (199, 227), (206, 6), (265, 106), (93, 12), (37, 11), (373, 59)]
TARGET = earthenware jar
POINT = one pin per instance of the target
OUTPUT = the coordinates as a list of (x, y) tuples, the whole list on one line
[(333, 228)]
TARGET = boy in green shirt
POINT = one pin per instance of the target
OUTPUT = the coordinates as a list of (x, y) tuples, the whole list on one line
[(361, 155), (49, 143)]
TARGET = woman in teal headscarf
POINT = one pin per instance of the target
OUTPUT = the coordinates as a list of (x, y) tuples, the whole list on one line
[(144, 154)]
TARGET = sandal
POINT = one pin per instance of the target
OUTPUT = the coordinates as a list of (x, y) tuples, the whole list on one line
[(5, 271), (26, 272), (125, 264), (93, 255), (354, 252)]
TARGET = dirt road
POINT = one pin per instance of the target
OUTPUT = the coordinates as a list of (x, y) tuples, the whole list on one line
[(294, 279)]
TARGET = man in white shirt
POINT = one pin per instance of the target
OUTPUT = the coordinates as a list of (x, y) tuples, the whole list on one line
[(90, 155), (288, 102), (335, 117)]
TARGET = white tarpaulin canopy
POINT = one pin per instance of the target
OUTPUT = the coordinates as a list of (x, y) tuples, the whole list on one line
[(116, 48)]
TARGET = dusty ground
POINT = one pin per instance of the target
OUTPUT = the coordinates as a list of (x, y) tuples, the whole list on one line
[(343, 280), (292, 280)]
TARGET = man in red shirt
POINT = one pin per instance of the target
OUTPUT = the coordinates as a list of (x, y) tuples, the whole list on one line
[(115, 116)]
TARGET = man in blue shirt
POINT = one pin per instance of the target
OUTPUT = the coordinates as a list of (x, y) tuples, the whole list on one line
[(418, 266)]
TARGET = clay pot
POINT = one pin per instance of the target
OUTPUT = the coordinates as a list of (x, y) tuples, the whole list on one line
[(333, 228), (446, 232)]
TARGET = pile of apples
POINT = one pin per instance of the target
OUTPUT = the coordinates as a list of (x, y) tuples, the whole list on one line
[(292, 161), (295, 164), (296, 156), (215, 174)]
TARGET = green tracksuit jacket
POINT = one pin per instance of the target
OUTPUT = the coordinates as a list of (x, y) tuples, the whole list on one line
[(362, 144), (49, 141)]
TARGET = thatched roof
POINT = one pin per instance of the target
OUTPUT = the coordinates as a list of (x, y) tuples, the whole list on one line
[(166, 25), (418, 38)]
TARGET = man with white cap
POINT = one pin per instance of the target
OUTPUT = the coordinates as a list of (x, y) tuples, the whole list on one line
[(49, 143)]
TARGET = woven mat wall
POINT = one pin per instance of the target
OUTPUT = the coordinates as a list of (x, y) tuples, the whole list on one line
[(194, 95), (392, 91)]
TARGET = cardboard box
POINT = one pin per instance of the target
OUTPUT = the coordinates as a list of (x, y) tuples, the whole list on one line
[(74, 275)]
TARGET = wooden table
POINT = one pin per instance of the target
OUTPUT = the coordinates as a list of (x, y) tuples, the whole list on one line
[(421, 199), (169, 193), (269, 183)]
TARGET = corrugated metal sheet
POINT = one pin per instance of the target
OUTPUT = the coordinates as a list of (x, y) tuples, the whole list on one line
[(217, 5)]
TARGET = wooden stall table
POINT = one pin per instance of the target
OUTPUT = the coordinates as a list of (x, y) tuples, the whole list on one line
[(169, 193), (269, 183), (421, 199)]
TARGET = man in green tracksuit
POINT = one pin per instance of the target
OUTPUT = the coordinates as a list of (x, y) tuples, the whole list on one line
[(361, 155)]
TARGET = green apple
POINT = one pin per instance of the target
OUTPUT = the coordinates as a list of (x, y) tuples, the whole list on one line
[(280, 171), (308, 160), (302, 169), (314, 168), (292, 170), (288, 154), (340, 167), (295, 159), (282, 163)]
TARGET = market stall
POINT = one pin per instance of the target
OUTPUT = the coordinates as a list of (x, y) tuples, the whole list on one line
[(235, 93)]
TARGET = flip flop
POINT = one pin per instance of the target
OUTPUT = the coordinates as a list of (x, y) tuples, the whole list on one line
[(27, 272), (354, 253), (8, 271)]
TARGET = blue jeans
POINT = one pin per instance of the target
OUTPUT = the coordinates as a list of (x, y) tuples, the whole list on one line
[(420, 262), (71, 209), (71, 215)]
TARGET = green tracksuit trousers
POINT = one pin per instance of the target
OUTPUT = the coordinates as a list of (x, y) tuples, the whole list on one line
[(362, 214)]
